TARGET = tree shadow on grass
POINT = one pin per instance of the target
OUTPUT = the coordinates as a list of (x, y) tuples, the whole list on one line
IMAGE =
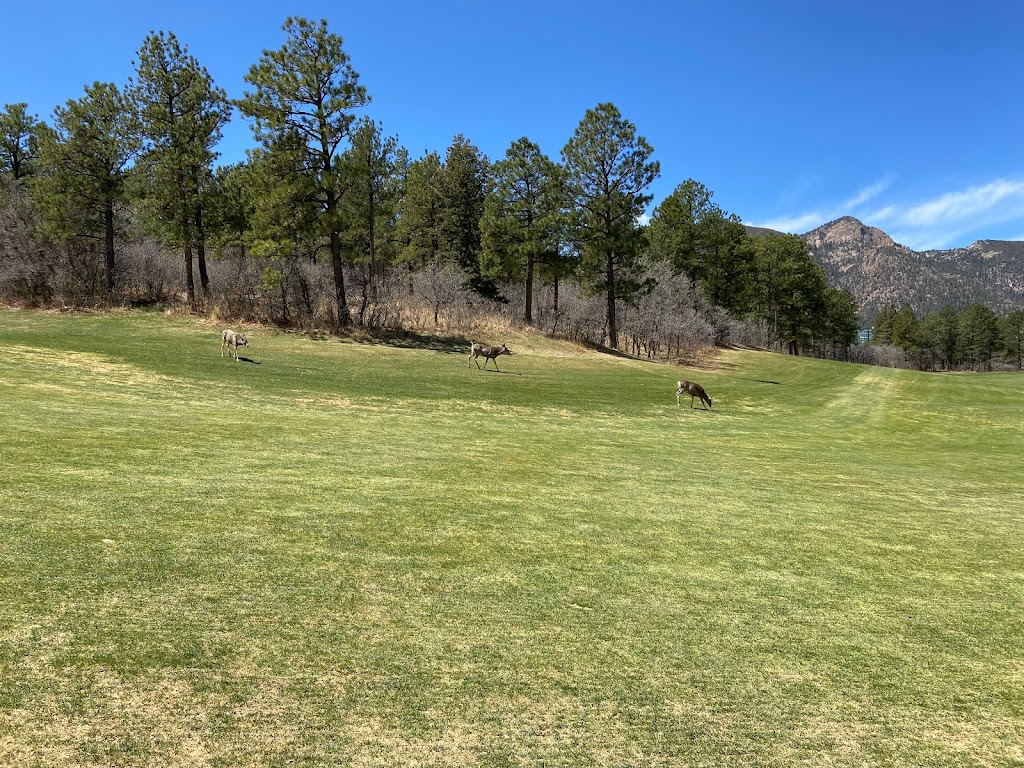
[(412, 340)]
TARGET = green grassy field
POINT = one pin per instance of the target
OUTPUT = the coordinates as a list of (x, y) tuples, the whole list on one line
[(341, 553)]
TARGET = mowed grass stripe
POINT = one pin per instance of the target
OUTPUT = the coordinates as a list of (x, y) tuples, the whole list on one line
[(362, 554)]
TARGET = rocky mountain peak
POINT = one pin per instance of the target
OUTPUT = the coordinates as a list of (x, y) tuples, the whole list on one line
[(879, 271), (848, 231)]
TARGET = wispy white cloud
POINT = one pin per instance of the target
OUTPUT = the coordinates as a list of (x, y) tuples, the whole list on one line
[(997, 200), (946, 220), (868, 193), (954, 218), (808, 220), (796, 224)]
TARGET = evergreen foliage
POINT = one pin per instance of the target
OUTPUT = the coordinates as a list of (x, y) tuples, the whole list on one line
[(322, 183), (608, 168), (20, 134), (307, 90), (522, 225), (83, 163), (181, 114)]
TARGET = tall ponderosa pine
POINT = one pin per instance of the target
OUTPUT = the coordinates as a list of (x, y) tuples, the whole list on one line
[(83, 166), (373, 167), (841, 320), (285, 211), (977, 336), (182, 114), (421, 211), (464, 187), (789, 289), (938, 335), (673, 230), (608, 168), (230, 204), (703, 242), (1011, 331), (522, 219), (309, 87), (881, 329), (20, 134)]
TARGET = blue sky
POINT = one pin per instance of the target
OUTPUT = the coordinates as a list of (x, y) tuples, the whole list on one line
[(906, 114)]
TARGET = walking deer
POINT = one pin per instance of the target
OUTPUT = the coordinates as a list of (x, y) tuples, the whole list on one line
[(232, 341), (488, 353), (694, 391)]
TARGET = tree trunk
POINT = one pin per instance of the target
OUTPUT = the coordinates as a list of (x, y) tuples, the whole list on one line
[(373, 253), (182, 214), (344, 319), (204, 277), (364, 299), (613, 331), (529, 290), (108, 225), (190, 282)]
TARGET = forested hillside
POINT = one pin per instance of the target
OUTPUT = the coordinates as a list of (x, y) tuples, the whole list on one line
[(118, 198)]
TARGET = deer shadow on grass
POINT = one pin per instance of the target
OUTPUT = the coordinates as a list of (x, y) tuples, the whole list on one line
[(248, 360)]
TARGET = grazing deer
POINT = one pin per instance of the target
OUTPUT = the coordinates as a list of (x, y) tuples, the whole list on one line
[(232, 341), (488, 353), (694, 391)]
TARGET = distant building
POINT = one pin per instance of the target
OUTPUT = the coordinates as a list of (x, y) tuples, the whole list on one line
[(863, 335)]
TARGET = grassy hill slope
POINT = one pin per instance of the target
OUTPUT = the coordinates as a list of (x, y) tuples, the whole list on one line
[(344, 553)]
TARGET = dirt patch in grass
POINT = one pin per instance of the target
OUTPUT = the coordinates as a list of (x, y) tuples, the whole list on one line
[(77, 363)]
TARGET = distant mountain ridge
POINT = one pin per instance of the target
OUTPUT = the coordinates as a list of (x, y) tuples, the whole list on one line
[(879, 271)]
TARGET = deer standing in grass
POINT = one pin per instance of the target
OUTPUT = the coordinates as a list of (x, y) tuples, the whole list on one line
[(488, 353), (694, 391), (232, 341)]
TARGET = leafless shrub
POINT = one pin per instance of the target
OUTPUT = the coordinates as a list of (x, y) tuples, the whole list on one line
[(26, 265), (879, 354), (148, 273), (438, 299)]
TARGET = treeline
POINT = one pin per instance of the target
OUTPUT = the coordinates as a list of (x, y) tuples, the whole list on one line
[(330, 223), (973, 338)]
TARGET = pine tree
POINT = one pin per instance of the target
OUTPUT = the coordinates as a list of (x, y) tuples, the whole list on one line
[(522, 221), (464, 187), (308, 87), (608, 169), (83, 168), (373, 167), (181, 114), (20, 134)]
